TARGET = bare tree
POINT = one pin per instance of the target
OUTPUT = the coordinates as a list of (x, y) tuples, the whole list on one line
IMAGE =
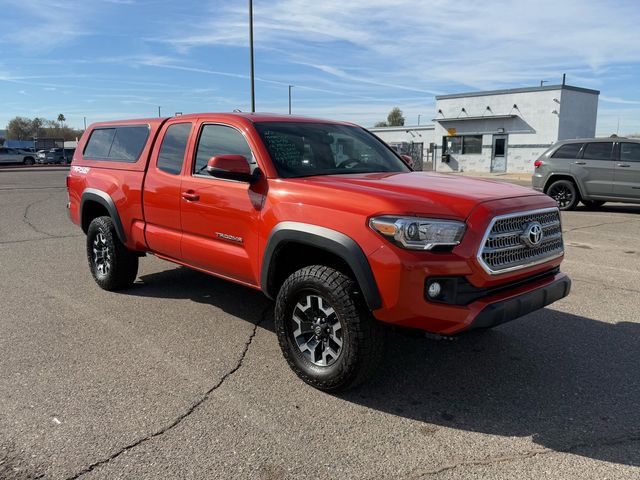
[(395, 117), (19, 128)]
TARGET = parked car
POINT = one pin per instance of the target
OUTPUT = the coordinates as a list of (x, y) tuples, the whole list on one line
[(342, 245), (16, 155), (592, 171), (59, 155)]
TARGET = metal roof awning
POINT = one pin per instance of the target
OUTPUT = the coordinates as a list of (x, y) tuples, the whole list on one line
[(466, 119)]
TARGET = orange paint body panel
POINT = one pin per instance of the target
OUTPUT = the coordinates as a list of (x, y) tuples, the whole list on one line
[(223, 227)]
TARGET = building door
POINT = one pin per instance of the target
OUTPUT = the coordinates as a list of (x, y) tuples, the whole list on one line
[(499, 154)]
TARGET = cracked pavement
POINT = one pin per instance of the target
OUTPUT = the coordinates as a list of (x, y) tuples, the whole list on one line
[(182, 377)]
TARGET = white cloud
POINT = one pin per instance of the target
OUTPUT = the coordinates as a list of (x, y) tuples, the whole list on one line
[(421, 45), (619, 100)]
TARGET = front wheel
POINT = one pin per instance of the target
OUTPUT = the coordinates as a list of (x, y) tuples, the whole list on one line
[(28, 161), (565, 193), (325, 330), (113, 266)]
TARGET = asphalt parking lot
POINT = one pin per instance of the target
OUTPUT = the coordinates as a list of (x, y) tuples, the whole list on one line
[(182, 377)]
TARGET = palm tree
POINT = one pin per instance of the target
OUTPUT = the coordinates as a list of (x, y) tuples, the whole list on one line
[(61, 119)]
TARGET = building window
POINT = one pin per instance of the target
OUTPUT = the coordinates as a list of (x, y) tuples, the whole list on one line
[(462, 144)]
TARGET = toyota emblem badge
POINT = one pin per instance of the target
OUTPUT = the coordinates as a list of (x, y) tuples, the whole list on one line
[(533, 234)]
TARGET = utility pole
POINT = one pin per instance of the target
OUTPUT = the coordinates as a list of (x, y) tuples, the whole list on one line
[(290, 87), (253, 93), (158, 110), (419, 115), (85, 122)]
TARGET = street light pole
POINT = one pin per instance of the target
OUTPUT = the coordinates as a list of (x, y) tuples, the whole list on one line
[(419, 115), (85, 122), (158, 110), (253, 94), (290, 87)]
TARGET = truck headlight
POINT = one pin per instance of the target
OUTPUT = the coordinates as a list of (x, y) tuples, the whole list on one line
[(417, 233)]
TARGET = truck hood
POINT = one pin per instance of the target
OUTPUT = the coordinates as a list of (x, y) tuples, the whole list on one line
[(417, 192)]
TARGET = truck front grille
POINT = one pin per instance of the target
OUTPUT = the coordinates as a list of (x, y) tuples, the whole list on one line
[(520, 240)]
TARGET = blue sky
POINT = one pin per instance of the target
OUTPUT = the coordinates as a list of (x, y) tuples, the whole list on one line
[(351, 60)]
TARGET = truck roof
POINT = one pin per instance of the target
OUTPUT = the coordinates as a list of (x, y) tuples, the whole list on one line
[(252, 117)]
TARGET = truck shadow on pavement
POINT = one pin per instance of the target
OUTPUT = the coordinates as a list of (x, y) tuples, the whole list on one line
[(570, 383)]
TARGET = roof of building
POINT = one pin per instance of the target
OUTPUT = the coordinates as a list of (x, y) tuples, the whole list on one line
[(518, 90), (479, 117), (428, 126)]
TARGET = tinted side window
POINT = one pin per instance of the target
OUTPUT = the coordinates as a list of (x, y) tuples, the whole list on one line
[(117, 144), (570, 150), (220, 140), (99, 143), (598, 151), (630, 152), (173, 147), (128, 143)]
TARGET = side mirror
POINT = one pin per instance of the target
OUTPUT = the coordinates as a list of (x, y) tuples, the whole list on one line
[(230, 167), (407, 159)]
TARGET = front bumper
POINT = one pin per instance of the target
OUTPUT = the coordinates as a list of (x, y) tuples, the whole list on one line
[(506, 310)]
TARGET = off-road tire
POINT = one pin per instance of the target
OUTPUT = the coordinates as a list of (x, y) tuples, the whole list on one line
[(123, 264), (362, 336), (565, 193)]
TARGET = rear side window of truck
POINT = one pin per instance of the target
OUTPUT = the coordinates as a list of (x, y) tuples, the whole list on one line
[(117, 144), (173, 148)]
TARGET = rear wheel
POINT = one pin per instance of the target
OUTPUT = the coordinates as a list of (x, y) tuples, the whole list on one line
[(326, 332), (113, 266), (565, 193), (28, 161), (593, 203)]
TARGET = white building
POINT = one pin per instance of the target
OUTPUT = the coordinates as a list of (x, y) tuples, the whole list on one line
[(499, 130)]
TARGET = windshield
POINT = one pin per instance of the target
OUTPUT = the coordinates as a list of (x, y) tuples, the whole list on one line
[(306, 149)]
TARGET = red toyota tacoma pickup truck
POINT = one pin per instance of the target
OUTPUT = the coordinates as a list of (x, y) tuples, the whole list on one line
[(324, 218)]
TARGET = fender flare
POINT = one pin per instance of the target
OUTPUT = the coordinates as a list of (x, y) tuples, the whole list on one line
[(326, 239), (104, 199)]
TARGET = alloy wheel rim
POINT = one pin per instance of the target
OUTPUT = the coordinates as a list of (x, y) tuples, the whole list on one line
[(101, 254), (562, 195), (317, 330)]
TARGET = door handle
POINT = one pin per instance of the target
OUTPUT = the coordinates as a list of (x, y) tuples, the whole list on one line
[(580, 163), (625, 165), (190, 196)]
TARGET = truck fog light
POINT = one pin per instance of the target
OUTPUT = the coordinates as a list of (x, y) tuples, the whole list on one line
[(434, 290)]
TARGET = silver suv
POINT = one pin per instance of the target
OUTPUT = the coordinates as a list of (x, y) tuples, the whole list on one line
[(592, 171), (16, 155)]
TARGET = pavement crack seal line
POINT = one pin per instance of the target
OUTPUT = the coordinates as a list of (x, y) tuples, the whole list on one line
[(604, 285), (52, 237), (25, 217), (530, 454), (184, 415), (630, 220)]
